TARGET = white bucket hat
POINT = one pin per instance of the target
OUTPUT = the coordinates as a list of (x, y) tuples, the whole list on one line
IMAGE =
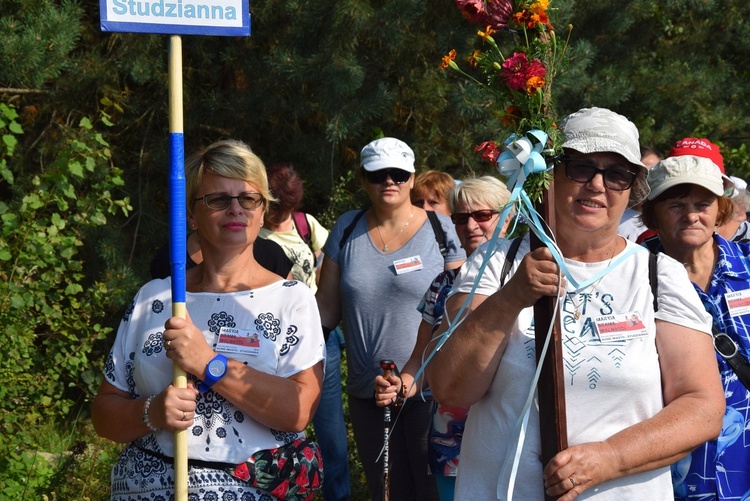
[(599, 130), (685, 169)]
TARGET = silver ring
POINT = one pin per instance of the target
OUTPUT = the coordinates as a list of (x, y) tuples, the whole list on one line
[(573, 481), (167, 343)]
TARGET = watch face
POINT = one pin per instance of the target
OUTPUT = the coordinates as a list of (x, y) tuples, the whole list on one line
[(216, 368)]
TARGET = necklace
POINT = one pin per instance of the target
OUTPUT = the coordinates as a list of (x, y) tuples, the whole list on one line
[(385, 244), (577, 313)]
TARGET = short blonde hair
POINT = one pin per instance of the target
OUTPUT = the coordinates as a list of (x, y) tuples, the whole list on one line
[(228, 158), (486, 190)]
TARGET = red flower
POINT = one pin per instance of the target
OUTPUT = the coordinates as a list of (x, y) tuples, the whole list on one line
[(489, 151), (517, 70), (498, 13), (493, 13), (473, 10)]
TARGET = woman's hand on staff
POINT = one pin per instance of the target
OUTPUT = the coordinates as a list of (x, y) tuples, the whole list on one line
[(578, 468), (538, 275), (174, 408), (186, 345)]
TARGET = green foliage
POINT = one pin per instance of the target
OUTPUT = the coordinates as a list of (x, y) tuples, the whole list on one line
[(36, 37), (51, 310)]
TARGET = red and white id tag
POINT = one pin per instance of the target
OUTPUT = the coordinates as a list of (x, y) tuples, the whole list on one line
[(620, 327), (239, 341), (408, 264), (738, 302)]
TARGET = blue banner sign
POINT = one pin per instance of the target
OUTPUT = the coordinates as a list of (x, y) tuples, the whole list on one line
[(177, 17)]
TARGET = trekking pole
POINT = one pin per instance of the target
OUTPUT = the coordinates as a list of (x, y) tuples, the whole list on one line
[(388, 367)]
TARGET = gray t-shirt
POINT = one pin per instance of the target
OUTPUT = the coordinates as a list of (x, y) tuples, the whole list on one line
[(379, 306)]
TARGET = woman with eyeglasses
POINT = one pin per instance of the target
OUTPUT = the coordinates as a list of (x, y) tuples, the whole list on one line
[(251, 345), (475, 205), (687, 203), (641, 388), (376, 268)]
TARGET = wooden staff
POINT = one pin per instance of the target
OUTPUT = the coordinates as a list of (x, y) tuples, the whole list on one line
[(551, 385), (177, 242)]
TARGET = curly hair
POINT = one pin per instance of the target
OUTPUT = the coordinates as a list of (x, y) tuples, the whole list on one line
[(287, 187)]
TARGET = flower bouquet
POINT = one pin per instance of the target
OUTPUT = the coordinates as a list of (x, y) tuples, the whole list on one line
[(519, 83)]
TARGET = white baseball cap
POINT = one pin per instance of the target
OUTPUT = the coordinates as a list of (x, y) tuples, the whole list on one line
[(386, 153)]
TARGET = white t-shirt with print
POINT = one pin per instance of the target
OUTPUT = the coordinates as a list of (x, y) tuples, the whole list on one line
[(609, 385), (283, 315)]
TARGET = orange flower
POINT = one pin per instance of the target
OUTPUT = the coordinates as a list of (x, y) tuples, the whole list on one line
[(484, 35), (534, 83), (511, 115), (474, 57), (539, 7), (448, 59), (520, 17)]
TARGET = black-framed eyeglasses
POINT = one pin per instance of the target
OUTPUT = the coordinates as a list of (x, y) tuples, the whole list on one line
[(583, 171), (480, 216), (398, 176), (219, 201)]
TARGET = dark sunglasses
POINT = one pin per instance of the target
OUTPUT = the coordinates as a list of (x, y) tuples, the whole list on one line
[(480, 216), (583, 171), (219, 201), (398, 176)]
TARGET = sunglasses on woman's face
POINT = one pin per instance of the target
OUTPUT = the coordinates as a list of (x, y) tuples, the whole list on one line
[(398, 176), (480, 216), (583, 171)]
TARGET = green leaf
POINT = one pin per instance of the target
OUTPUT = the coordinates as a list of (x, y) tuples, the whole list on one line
[(15, 128), (76, 168), (86, 123)]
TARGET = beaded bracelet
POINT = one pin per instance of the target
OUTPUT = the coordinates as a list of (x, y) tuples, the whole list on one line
[(144, 419)]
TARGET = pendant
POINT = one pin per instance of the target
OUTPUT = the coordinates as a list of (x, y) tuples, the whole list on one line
[(577, 315), (385, 248)]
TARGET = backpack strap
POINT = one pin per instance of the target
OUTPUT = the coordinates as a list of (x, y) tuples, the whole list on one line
[(509, 258), (349, 229), (303, 228), (653, 278), (437, 228)]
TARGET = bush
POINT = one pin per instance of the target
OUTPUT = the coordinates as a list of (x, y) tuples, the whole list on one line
[(52, 311)]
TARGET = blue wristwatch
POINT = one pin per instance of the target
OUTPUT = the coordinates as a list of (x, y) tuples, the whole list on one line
[(215, 370)]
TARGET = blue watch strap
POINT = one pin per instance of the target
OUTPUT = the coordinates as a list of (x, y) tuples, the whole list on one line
[(216, 368)]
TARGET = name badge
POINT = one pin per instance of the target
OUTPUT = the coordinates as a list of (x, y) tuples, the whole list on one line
[(738, 302), (620, 327), (408, 264), (240, 341)]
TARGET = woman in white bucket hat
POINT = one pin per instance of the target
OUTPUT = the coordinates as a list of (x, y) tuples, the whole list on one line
[(639, 395)]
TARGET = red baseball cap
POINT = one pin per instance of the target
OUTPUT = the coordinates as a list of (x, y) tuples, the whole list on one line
[(699, 147), (702, 147)]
